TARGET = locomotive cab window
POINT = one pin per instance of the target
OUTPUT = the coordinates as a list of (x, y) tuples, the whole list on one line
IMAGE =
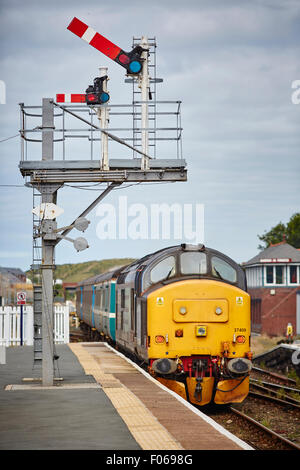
[(163, 270), (223, 270), (193, 263)]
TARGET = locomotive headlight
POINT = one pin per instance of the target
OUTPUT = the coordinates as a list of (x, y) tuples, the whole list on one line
[(218, 310), (182, 310)]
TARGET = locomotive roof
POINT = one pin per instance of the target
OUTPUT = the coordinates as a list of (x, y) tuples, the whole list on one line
[(139, 265), (101, 277), (176, 248)]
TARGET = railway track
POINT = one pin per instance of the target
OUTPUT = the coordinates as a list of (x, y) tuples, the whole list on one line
[(264, 422), (275, 440), (273, 377)]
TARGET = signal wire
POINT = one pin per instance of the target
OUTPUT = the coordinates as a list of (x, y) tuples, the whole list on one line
[(8, 138)]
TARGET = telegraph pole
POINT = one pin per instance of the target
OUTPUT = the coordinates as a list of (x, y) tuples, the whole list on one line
[(49, 195)]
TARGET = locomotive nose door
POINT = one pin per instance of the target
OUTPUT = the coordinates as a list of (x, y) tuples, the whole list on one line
[(200, 310)]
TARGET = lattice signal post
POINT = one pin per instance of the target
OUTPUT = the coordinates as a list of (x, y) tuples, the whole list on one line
[(49, 174)]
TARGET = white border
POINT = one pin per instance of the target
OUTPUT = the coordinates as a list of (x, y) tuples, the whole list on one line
[(210, 421)]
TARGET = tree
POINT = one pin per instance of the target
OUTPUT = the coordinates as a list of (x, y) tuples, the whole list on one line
[(289, 232)]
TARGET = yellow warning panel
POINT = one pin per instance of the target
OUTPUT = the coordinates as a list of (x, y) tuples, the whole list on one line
[(232, 391), (177, 387), (144, 427), (205, 395)]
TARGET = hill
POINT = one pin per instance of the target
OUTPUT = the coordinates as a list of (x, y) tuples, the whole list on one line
[(78, 271)]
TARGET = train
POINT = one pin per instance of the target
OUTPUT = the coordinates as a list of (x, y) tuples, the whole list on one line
[(184, 313)]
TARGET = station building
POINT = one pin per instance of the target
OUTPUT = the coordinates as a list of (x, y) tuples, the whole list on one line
[(273, 280)]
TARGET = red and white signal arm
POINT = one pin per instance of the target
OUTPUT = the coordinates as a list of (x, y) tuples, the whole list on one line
[(131, 61), (21, 298), (70, 97)]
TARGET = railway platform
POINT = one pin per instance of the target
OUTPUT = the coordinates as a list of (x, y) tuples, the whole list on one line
[(103, 402)]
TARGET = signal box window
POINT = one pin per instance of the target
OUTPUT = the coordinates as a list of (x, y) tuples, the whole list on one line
[(293, 275), (163, 270), (193, 263), (223, 270), (279, 274), (275, 275), (270, 276)]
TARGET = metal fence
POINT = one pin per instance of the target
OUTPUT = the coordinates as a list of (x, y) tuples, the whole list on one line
[(10, 325)]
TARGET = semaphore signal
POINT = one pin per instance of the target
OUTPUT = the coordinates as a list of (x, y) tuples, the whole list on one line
[(131, 61)]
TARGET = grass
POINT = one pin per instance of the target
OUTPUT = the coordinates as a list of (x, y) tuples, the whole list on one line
[(263, 343), (77, 272)]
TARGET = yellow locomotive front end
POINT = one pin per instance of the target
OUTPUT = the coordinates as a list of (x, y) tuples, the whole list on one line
[(199, 340)]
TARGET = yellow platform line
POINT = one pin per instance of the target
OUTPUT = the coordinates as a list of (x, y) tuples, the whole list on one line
[(143, 426)]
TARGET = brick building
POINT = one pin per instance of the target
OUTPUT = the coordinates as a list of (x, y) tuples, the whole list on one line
[(273, 279)]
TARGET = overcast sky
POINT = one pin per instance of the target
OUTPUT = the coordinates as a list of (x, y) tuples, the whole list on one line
[(232, 63)]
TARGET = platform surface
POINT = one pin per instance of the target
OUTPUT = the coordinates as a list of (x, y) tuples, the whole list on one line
[(104, 402)]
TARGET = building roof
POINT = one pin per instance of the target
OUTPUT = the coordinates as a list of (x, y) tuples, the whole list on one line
[(280, 251), (9, 275)]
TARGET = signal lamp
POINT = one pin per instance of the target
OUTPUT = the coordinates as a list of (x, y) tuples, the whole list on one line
[(159, 339), (218, 310), (131, 61), (95, 93), (179, 333), (240, 339), (182, 310), (124, 59), (135, 66)]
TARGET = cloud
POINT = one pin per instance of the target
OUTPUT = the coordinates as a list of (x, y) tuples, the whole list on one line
[(231, 63)]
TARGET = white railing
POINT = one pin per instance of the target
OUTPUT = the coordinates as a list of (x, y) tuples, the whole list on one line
[(10, 325)]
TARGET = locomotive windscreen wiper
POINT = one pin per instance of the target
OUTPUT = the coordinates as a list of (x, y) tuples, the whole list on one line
[(168, 275), (218, 274)]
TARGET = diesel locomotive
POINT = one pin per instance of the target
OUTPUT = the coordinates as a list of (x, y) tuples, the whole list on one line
[(185, 313)]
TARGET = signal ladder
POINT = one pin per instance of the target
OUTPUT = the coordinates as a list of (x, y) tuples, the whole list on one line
[(136, 100), (37, 283)]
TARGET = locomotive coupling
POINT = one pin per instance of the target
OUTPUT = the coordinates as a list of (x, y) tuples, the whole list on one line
[(164, 366), (239, 366)]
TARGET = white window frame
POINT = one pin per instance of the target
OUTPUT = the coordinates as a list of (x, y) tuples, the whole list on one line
[(298, 275), (285, 279)]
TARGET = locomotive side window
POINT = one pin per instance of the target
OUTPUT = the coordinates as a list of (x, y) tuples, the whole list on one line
[(163, 270), (223, 270), (193, 263)]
